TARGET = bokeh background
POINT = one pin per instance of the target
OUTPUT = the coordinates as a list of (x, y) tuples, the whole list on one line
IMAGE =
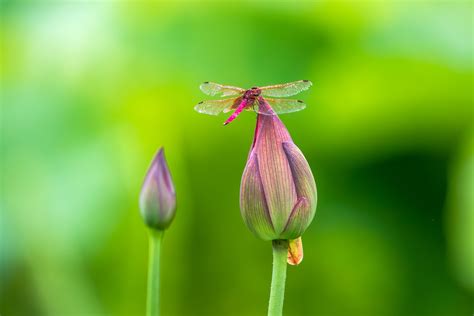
[(90, 90)]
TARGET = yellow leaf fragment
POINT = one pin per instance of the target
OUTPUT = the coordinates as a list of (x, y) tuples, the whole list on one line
[(295, 251)]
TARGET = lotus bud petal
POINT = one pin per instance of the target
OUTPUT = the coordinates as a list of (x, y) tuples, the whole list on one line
[(158, 197), (278, 191)]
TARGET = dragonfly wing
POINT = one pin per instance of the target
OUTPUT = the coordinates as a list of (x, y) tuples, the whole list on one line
[(212, 88), (286, 89), (214, 107), (280, 106), (234, 105)]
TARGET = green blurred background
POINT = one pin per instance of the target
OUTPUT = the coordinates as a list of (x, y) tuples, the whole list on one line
[(90, 90)]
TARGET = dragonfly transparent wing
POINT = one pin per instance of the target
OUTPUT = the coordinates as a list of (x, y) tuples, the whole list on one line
[(215, 89), (286, 89), (214, 107), (279, 106)]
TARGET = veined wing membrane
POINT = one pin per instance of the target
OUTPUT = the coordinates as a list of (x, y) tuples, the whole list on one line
[(214, 107), (212, 88), (280, 106), (286, 89)]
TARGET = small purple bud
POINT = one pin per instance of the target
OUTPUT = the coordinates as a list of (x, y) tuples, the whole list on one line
[(158, 197), (278, 191)]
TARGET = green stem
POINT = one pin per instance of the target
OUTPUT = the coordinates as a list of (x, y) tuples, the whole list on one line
[(277, 292), (153, 294)]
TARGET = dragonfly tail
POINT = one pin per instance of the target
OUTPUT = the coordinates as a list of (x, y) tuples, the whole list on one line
[(230, 119), (236, 113)]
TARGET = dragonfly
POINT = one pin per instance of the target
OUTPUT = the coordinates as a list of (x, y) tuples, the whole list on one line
[(263, 100)]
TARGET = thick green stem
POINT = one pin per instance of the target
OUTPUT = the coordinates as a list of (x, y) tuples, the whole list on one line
[(153, 294), (277, 292)]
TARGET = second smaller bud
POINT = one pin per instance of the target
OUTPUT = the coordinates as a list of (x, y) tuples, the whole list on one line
[(158, 196)]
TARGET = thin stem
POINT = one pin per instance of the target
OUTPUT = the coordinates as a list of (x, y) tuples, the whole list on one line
[(153, 294), (277, 291)]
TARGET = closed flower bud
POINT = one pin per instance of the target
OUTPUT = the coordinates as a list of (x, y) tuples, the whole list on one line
[(278, 191), (158, 197)]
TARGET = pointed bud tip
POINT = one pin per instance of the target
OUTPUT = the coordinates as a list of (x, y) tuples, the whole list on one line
[(160, 154)]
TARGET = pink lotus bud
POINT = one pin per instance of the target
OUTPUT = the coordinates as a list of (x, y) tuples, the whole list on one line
[(158, 197), (278, 191)]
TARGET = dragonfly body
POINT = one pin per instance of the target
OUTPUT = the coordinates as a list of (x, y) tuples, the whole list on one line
[(248, 99), (258, 99)]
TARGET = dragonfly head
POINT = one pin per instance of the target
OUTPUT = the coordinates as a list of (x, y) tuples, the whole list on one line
[(253, 92)]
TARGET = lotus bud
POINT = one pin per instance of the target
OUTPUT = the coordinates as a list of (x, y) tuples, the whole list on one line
[(278, 191), (158, 197)]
